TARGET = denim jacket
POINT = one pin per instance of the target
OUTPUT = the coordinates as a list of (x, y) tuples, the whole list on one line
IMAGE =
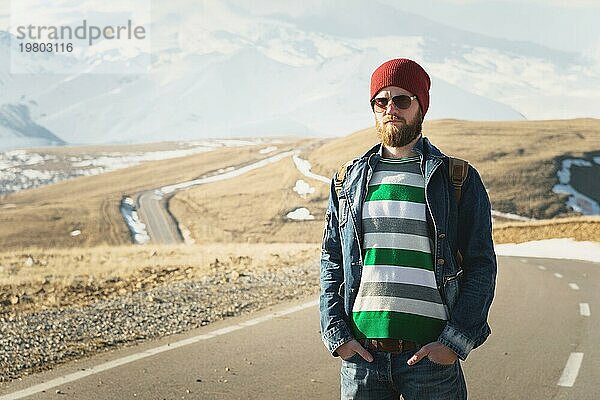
[(467, 292)]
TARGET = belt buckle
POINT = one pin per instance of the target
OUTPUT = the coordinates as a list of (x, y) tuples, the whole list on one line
[(389, 345)]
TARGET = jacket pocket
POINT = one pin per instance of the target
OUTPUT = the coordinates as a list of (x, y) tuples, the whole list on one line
[(451, 288)]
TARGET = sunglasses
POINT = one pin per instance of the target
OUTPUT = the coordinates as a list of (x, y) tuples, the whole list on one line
[(380, 104)]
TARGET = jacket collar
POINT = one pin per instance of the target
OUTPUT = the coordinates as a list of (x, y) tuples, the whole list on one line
[(422, 147)]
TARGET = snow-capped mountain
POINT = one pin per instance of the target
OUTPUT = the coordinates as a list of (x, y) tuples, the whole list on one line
[(18, 130), (234, 68)]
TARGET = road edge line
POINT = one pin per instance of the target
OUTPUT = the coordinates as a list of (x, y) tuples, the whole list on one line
[(150, 352)]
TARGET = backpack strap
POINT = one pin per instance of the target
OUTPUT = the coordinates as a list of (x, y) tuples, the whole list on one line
[(341, 175), (457, 171)]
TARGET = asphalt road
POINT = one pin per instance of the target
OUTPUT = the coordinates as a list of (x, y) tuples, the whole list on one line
[(536, 320), (160, 225)]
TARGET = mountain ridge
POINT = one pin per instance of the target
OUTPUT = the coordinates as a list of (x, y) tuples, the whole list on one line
[(222, 71)]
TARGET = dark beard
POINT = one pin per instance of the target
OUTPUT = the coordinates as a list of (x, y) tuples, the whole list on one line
[(399, 136)]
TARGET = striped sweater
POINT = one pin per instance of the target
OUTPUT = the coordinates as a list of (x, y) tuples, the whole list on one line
[(398, 296)]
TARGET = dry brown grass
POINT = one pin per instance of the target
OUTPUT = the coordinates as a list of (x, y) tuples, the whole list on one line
[(252, 207), (39, 278), (45, 216), (518, 160)]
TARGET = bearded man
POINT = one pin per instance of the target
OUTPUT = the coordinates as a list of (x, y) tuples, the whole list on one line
[(408, 268)]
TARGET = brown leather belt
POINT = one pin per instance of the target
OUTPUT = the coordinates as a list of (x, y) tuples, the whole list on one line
[(389, 345)]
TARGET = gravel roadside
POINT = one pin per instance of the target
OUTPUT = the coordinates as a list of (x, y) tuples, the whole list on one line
[(36, 341)]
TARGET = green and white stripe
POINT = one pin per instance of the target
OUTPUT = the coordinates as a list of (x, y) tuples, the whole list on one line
[(398, 295), (420, 307)]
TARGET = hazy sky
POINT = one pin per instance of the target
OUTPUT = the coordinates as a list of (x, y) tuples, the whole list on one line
[(572, 25), (569, 25)]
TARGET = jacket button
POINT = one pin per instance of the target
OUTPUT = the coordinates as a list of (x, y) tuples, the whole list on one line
[(440, 261), (442, 235)]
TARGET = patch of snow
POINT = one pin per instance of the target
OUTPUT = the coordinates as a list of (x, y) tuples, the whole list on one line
[(76, 232), (35, 174), (22, 157), (303, 188), (141, 238), (304, 167), (221, 170), (268, 150), (552, 248), (136, 227), (564, 175), (300, 214), (187, 235), (510, 216), (577, 201)]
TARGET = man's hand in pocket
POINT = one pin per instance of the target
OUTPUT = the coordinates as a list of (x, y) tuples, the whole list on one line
[(348, 349)]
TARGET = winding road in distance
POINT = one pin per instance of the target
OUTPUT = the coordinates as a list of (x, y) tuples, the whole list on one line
[(161, 226), (544, 345)]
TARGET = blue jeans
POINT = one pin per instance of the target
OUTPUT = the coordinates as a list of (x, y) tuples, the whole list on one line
[(388, 377)]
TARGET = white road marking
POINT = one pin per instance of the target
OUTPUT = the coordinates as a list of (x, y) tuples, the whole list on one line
[(147, 353), (541, 267), (559, 276), (574, 286), (567, 379), (584, 309)]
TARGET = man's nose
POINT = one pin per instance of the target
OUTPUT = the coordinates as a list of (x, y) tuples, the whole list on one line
[(391, 107)]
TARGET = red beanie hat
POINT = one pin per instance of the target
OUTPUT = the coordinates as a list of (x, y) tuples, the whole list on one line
[(406, 74)]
